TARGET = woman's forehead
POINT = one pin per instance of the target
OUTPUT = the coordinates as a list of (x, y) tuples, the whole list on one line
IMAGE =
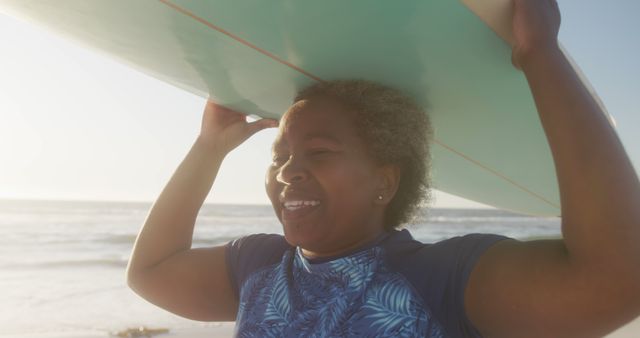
[(317, 118), (316, 110)]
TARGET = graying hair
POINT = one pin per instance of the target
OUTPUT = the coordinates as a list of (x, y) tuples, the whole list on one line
[(397, 131)]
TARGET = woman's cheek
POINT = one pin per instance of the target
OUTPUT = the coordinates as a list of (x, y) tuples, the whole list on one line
[(270, 183)]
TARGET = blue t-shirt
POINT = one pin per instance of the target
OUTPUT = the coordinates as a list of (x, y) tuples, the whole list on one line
[(394, 287)]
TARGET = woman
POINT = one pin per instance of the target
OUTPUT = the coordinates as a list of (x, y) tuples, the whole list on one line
[(343, 270)]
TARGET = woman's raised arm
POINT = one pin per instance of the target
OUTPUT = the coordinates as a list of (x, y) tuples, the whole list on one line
[(587, 284), (163, 268)]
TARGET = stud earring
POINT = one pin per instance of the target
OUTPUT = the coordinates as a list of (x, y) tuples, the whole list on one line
[(379, 197)]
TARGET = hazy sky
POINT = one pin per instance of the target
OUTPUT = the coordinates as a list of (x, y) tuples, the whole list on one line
[(76, 125)]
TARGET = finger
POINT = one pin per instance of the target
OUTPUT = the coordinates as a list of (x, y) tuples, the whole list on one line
[(210, 105), (258, 125), (514, 61), (213, 106)]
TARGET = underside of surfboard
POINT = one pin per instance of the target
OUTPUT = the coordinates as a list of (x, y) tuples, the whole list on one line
[(253, 56)]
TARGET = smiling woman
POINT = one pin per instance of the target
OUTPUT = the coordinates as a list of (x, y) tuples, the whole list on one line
[(341, 268), (344, 269)]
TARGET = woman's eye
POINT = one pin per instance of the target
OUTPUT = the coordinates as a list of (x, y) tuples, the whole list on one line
[(317, 152)]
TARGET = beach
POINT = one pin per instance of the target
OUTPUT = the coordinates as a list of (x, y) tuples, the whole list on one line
[(62, 264), (226, 330)]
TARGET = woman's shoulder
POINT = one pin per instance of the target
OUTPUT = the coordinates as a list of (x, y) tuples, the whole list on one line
[(251, 253), (263, 248), (439, 272), (259, 241), (453, 256), (403, 240)]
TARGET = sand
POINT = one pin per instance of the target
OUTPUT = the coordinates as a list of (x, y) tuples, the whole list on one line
[(631, 330)]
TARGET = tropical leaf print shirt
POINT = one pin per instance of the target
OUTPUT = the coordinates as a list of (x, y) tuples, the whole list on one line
[(394, 287)]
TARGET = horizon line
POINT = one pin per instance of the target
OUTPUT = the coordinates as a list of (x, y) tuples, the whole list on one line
[(137, 201)]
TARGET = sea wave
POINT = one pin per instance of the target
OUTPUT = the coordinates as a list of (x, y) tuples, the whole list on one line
[(73, 263)]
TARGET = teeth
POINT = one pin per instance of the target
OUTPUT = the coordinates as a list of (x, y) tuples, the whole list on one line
[(295, 205)]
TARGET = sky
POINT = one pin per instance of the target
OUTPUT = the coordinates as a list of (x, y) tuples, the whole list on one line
[(77, 125)]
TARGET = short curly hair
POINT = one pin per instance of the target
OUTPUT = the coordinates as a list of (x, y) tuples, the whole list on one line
[(397, 131)]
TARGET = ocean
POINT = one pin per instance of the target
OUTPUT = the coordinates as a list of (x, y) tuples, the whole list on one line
[(62, 264)]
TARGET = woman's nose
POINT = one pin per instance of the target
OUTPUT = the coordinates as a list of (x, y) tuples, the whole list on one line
[(292, 172)]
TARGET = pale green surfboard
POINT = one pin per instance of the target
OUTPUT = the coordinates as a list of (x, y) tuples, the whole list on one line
[(253, 56)]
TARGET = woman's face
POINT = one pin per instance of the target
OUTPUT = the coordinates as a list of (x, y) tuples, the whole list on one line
[(322, 183)]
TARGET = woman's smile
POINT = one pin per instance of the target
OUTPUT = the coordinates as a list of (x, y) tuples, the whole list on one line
[(294, 210), (297, 205)]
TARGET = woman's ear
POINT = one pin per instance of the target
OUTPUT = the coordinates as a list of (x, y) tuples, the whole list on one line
[(389, 179)]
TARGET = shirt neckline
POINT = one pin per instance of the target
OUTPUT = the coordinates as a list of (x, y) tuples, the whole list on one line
[(321, 260)]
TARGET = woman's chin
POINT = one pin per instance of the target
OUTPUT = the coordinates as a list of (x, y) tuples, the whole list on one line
[(302, 235)]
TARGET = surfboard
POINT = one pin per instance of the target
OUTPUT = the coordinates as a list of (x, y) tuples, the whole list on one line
[(454, 57)]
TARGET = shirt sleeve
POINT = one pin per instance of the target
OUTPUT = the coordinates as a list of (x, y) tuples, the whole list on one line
[(469, 250), (247, 254), (449, 264)]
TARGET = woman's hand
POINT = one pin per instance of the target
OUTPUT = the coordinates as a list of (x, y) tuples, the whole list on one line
[(224, 129), (535, 28)]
